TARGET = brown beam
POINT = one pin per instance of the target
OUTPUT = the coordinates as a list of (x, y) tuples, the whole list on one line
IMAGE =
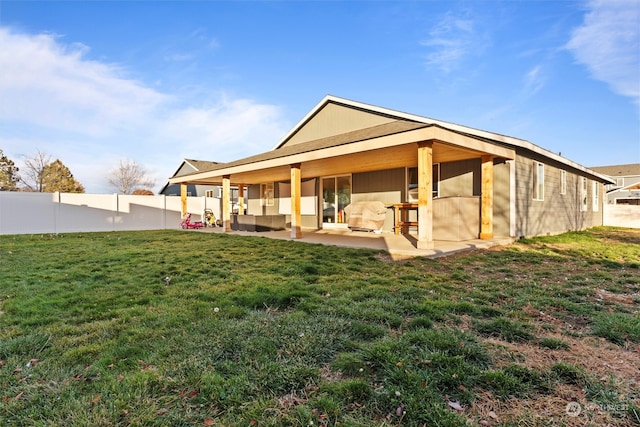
[(425, 195), (226, 203), (241, 199), (486, 202), (296, 217), (183, 198)]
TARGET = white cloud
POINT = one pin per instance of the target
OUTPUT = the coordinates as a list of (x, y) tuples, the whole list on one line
[(534, 80), (45, 83), (228, 130), (90, 114), (452, 40), (608, 43)]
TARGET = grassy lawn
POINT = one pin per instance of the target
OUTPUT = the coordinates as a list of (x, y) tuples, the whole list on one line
[(174, 328)]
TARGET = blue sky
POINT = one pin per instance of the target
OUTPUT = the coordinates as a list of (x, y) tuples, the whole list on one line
[(94, 82)]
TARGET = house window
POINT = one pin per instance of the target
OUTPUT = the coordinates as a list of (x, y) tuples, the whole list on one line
[(266, 194), (538, 181), (209, 193), (563, 182), (583, 194), (595, 199), (412, 183)]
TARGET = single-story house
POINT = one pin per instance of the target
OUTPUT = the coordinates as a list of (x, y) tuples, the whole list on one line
[(626, 189), (190, 166), (437, 180)]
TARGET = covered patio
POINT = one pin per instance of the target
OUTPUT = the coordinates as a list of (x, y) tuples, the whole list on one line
[(395, 144), (398, 247)]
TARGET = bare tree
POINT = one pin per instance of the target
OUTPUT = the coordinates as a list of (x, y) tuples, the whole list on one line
[(42, 175), (32, 176), (128, 176)]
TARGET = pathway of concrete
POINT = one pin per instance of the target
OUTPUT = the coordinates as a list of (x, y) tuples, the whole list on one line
[(398, 246)]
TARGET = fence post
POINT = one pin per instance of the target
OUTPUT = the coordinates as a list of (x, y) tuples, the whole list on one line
[(115, 211), (56, 211)]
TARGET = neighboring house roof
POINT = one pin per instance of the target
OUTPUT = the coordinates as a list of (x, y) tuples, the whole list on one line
[(190, 165), (187, 167), (299, 144), (632, 169)]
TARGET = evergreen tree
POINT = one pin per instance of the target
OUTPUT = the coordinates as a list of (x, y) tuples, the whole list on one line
[(8, 174), (57, 177)]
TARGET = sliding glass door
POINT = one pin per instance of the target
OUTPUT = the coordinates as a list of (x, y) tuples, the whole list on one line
[(336, 195)]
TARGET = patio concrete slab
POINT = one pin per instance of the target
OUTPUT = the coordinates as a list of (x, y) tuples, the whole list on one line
[(397, 245)]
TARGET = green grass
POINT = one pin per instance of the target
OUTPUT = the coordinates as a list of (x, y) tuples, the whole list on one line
[(174, 328)]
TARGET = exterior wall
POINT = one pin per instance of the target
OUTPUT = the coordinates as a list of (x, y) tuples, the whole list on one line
[(334, 120), (31, 213), (456, 213), (502, 199), (556, 213), (460, 178), (387, 186), (254, 204), (456, 218)]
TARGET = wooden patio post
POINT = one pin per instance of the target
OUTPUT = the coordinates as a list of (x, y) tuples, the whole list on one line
[(486, 202), (241, 199), (425, 195), (183, 198), (226, 202), (296, 217)]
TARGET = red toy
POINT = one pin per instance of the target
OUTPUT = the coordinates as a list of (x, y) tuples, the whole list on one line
[(187, 223)]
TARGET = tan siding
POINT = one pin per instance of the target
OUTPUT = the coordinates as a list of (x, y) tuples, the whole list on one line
[(456, 218), (460, 178), (254, 206), (557, 213), (501, 206), (386, 186), (335, 119)]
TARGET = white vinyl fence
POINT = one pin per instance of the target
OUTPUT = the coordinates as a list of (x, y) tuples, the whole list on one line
[(31, 213), (622, 215)]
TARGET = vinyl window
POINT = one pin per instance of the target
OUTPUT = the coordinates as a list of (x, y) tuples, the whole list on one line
[(412, 183), (583, 194), (563, 182), (538, 181), (267, 194)]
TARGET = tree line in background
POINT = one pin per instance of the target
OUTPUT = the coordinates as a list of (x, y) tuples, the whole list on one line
[(41, 174)]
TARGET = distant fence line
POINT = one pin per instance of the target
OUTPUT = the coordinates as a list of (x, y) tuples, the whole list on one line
[(622, 215), (34, 213)]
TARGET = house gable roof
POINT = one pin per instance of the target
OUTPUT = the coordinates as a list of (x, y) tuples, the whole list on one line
[(345, 110), (390, 114), (338, 122), (619, 170), (189, 166), (394, 127)]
